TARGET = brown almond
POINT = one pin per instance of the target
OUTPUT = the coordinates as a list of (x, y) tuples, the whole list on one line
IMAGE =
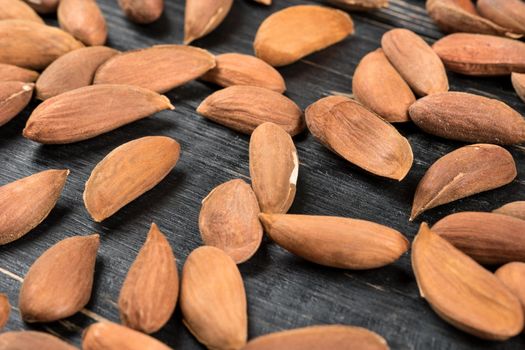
[(24, 340), (297, 31), (467, 117), (14, 97), (481, 55), (33, 45), (336, 242), (17, 9), (488, 238), (333, 337), (360, 5), (161, 67), (73, 116), (274, 168), (213, 300), (43, 6), (25, 203), (5, 310), (516, 209), (84, 20), (243, 108), (142, 11), (149, 293), (238, 69), (461, 16), (415, 61), (506, 13), (229, 220), (127, 172), (9, 72), (462, 173), (112, 336), (462, 292), (59, 282), (71, 71), (264, 2), (513, 277), (518, 82), (360, 136), (378, 86), (201, 17)]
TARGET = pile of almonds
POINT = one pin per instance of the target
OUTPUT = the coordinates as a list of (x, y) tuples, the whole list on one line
[(403, 80)]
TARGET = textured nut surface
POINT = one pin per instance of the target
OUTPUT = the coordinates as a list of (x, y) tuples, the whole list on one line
[(518, 82), (17, 9), (516, 209), (9, 72), (513, 276), (14, 97), (112, 336), (5, 310), (201, 17), (84, 20), (360, 5), (23, 340), (507, 13), (142, 11)]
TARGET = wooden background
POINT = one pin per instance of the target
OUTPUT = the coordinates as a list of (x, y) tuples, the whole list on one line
[(283, 291)]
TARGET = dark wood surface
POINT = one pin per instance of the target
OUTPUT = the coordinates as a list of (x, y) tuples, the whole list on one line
[(283, 291)]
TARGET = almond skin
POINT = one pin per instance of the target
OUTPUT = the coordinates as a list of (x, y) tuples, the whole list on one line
[(25, 203), (9, 72), (17, 9), (43, 6), (415, 61), (71, 71), (333, 337), (238, 69), (360, 5), (72, 116), (243, 108), (274, 168), (516, 209), (462, 292), (127, 172), (360, 136), (467, 117), (149, 293), (378, 86), (513, 277), (506, 13), (229, 220), (518, 82), (84, 20), (33, 45), (161, 67), (481, 55), (489, 238), (462, 173), (32, 340), (142, 11), (59, 282), (201, 17), (111, 336), (297, 31), (213, 300), (14, 97), (5, 310)]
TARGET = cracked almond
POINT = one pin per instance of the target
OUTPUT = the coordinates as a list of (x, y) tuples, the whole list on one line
[(201, 17), (516, 209), (112, 336), (84, 20), (14, 97), (5, 310), (22, 340)]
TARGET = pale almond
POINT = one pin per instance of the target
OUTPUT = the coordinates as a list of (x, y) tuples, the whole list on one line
[(5, 310), (14, 97), (111, 336), (516, 209), (25, 340), (142, 11), (513, 277), (9, 72), (201, 17), (17, 9), (84, 20)]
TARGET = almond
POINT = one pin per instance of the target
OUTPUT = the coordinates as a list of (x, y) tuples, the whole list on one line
[(127, 172), (111, 336), (228, 220), (59, 282), (32, 340), (481, 55), (142, 11), (516, 209), (43, 6), (415, 61), (149, 293), (467, 117), (17, 9), (360, 136), (506, 13), (336, 242), (5, 310), (297, 31), (378, 86), (518, 81), (73, 116), (462, 292), (264, 2), (462, 173), (201, 17), (243, 108), (360, 5), (14, 97), (84, 20), (9, 72), (213, 300), (33, 45), (25, 203), (274, 168), (158, 68), (238, 69), (333, 337), (513, 277), (488, 238)]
